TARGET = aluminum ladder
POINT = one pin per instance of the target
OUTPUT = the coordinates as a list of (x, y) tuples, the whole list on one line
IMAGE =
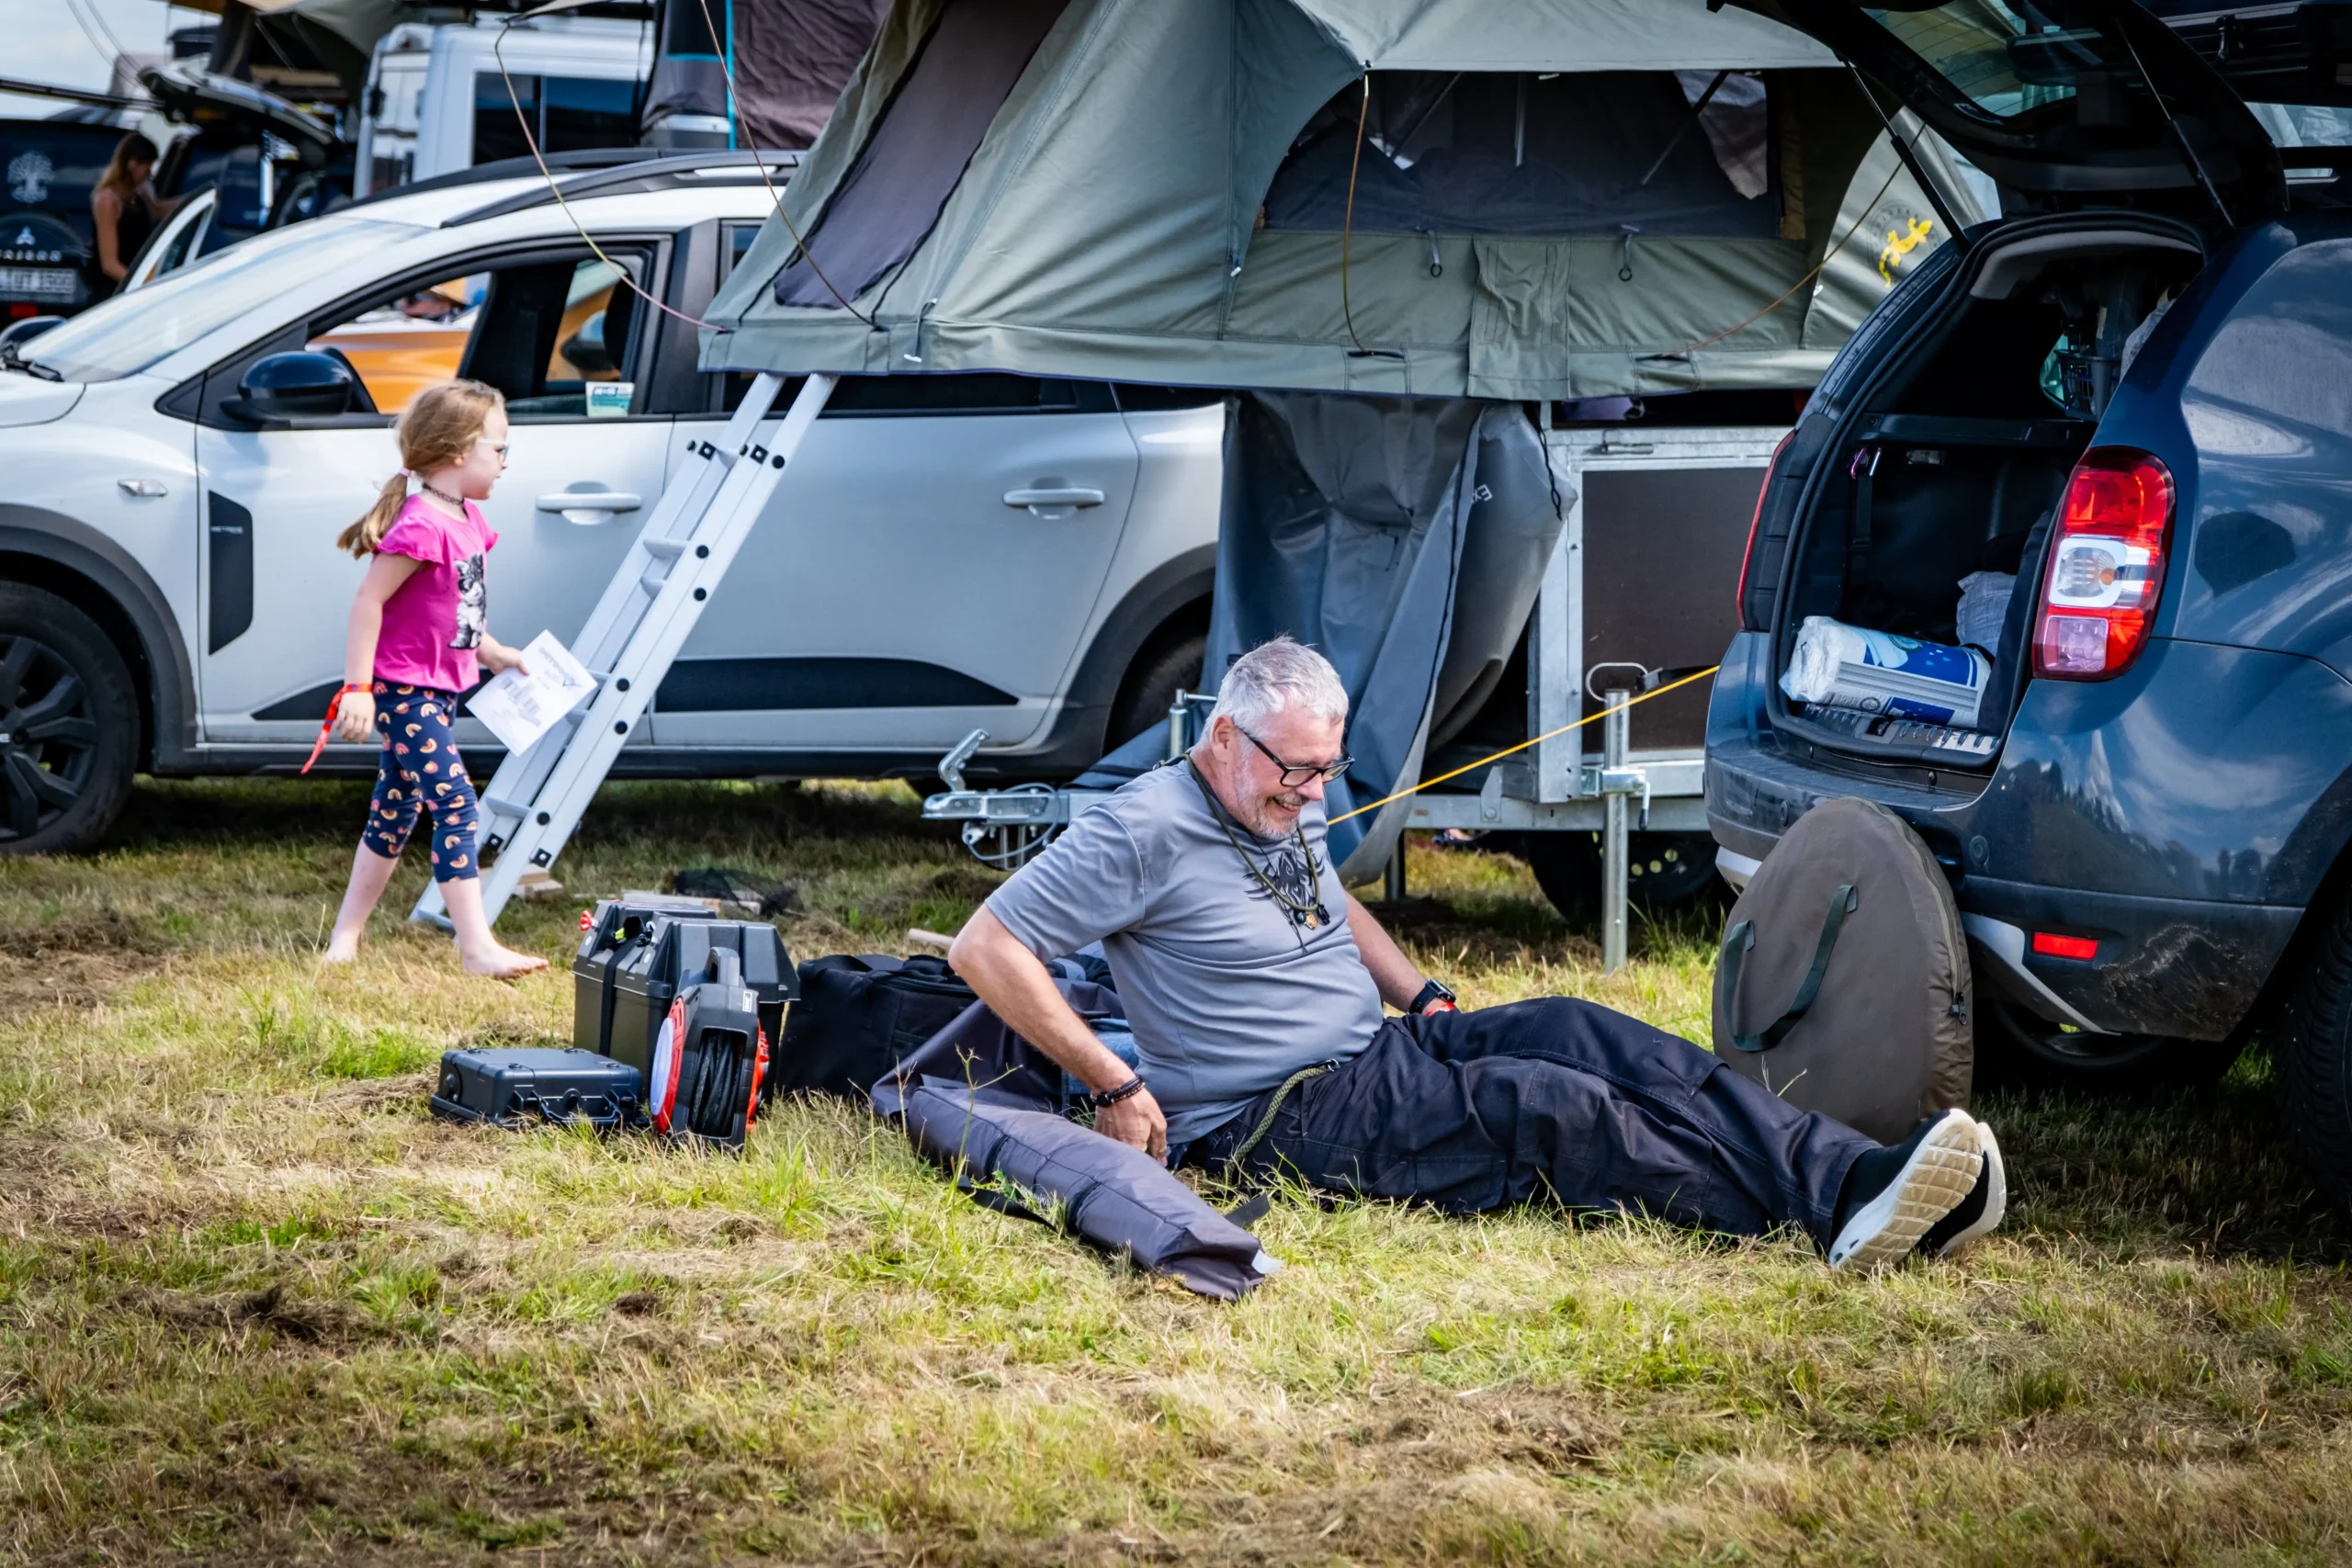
[(533, 804)]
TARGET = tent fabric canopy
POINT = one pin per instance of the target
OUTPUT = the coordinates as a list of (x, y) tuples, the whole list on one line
[(1151, 200)]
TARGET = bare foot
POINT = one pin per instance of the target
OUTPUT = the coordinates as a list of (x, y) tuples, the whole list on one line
[(342, 949), (500, 962)]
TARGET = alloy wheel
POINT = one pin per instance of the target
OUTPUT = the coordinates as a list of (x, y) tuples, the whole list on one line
[(48, 737)]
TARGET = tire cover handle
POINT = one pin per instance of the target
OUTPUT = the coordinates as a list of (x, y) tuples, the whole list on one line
[(1741, 938)]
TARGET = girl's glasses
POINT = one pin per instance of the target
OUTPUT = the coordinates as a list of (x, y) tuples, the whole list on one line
[(499, 449)]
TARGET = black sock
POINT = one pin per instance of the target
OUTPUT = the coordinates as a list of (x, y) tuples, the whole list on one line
[(1874, 1169)]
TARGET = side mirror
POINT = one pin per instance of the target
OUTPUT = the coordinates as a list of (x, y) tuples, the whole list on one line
[(19, 333), (295, 386)]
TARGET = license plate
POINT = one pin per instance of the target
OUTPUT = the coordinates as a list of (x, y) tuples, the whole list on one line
[(41, 282)]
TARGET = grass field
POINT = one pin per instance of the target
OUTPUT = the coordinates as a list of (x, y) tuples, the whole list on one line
[(256, 1307)]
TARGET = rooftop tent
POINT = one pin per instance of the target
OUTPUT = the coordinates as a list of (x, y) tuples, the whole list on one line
[(1549, 198), (1375, 220)]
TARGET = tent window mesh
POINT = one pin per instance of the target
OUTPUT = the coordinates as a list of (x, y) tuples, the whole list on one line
[(1539, 156)]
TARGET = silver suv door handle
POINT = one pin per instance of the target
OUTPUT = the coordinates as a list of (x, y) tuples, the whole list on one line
[(590, 506), (1044, 496)]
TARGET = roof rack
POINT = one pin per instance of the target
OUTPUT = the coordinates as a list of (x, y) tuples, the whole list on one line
[(662, 172), (515, 169)]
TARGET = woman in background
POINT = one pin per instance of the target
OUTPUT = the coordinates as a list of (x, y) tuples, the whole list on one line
[(124, 209)]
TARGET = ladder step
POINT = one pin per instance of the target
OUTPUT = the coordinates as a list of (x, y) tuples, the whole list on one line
[(664, 550), (498, 808)]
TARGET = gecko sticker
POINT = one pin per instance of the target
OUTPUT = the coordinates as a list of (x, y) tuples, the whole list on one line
[(1905, 233)]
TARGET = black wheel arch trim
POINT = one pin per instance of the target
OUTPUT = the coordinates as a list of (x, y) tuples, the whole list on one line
[(80, 549)]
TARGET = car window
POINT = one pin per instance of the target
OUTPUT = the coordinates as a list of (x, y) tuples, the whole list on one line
[(127, 334), (2005, 58), (2305, 125), (739, 239), (565, 114), (541, 331), (399, 346)]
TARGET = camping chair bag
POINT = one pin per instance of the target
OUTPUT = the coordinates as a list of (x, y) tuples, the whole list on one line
[(984, 1103), (1036, 1165), (1843, 982)]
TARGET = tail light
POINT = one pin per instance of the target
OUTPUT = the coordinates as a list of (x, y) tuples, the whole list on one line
[(2107, 566), (1755, 524)]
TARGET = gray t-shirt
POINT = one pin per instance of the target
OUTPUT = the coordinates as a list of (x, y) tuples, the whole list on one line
[(1228, 993)]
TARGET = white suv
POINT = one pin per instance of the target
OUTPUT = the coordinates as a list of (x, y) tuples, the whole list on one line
[(172, 600)]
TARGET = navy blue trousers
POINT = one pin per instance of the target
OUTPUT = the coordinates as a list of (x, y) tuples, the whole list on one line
[(418, 769), (1558, 1099)]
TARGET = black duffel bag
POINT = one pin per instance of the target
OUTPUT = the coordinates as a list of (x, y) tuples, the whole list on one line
[(856, 1017)]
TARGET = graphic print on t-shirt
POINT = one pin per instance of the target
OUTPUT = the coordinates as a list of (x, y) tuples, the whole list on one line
[(473, 604), (1288, 871)]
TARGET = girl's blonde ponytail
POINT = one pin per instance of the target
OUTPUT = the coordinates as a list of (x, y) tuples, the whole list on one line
[(440, 428), (362, 537)]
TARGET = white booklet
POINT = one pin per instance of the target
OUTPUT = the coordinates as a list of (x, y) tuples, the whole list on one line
[(519, 708)]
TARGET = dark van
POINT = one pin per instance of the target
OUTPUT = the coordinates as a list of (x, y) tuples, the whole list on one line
[(2130, 402), (48, 264)]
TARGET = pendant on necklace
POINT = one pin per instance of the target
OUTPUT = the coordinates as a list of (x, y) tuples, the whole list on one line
[(1312, 918)]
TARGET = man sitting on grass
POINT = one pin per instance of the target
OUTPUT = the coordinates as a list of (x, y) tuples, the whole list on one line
[(1254, 982)]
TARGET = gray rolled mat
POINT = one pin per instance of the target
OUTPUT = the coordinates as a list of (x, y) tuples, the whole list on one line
[(1114, 1196)]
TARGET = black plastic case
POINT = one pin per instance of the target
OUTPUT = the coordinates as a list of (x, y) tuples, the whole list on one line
[(633, 957), (518, 1086)]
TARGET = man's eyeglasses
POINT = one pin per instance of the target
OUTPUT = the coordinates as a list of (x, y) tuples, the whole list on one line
[(1294, 775)]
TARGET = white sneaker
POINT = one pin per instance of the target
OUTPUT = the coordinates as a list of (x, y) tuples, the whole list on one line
[(1946, 1156), (1978, 1214)]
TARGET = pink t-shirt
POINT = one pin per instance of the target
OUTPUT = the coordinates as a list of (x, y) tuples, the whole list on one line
[(433, 621)]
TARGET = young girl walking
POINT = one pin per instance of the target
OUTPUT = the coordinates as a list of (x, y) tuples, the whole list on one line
[(418, 631)]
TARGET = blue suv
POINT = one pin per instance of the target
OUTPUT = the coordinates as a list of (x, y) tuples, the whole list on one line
[(2128, 401)]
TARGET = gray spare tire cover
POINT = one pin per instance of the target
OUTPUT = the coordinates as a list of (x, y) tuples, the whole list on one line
[(1842, 984)]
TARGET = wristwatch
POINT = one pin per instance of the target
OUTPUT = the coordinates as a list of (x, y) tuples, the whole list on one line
[(1434, 997)]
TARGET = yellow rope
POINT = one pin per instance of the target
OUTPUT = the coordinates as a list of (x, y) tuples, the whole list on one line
[(1524, 745)]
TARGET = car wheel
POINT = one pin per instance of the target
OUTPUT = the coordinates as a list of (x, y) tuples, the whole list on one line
[(2017, 1047), (1151, 686), (1665, 872), (69, 726), (2313, 1048)]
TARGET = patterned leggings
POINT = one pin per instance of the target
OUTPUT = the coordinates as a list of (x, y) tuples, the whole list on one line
[(419, 766)]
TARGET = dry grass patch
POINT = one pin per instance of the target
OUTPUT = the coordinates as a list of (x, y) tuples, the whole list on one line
[(256, 1306)]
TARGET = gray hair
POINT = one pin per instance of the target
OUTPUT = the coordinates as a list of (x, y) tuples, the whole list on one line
[(1277, 675)]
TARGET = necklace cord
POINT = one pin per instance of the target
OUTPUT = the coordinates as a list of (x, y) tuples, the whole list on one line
[(1314, 872)]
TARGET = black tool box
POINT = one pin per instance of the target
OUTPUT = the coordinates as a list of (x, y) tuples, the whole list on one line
[(517, 1086), (633, 958)]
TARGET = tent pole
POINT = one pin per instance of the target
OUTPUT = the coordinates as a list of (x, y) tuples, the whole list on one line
[(1616, 730)]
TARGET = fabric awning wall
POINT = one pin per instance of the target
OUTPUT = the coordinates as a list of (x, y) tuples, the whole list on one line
[(1106, 227)]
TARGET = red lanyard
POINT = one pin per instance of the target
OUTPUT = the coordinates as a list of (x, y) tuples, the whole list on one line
[(326, 726)]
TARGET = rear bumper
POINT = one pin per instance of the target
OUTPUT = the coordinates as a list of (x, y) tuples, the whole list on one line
[(2182, 817), (2163, 965)]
